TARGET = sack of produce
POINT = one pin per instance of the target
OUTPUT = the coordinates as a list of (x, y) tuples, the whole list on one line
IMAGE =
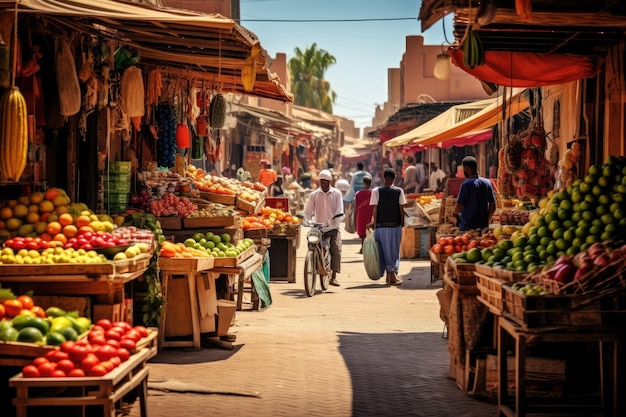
[(371, 256)]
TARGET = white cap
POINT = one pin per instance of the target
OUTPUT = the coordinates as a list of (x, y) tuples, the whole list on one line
[(342, 185), (324, 175)]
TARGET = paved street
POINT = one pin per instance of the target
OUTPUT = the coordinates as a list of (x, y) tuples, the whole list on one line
[(361, 349)]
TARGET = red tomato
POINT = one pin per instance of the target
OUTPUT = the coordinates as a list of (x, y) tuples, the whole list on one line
[(89, 362), (78, 353), (76, 373), (39, 360), (108, 365), (57, 356), (123, 325), (115, 360), (105, 352), (112, 334), (68, 346), (123, 354), (46, 369), (132, 335), (128, 344), (436, 248), (104, 323), (472, 244), (114, 343), (448, 249), (57, 373), (143, 331), (30, 371), (97, 328), (65, 365), (97, 339), (458, 248), (97, 370)]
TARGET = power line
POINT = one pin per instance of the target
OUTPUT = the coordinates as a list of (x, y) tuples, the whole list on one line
[(328, 20)]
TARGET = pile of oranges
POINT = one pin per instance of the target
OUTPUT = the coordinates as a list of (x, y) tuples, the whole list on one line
[(22, 305), (267, 218)]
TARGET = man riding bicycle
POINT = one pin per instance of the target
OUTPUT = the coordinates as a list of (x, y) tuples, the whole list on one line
[(323, 204)]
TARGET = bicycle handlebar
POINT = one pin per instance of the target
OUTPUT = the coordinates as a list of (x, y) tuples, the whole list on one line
[(305, 222)]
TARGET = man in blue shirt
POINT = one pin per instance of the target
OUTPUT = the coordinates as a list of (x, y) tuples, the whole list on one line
[(476, 202)]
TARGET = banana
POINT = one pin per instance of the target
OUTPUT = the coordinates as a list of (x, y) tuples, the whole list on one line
[(13, 134)]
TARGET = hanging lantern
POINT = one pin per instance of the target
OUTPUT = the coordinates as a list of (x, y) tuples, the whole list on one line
[(183, 136)]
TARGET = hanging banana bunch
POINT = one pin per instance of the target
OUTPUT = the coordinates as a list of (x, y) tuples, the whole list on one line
[(473, 52)]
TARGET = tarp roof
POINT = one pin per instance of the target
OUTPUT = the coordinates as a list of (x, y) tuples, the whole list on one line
[(203, 46), (461, 120)]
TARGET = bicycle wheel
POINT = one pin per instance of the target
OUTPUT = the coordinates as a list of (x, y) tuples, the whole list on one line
[(325, 280), (310, 272)]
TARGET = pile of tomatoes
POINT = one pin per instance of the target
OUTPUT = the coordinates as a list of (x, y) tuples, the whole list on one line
[(106, 347), (461, 243)]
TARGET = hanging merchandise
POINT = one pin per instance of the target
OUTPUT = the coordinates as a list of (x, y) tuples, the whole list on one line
[(132, 95), (125, 58), (67, 78), (5, 72), (166, 136), (197, 147), (183, 136), (217, 110), (154, 87), (13, 134)]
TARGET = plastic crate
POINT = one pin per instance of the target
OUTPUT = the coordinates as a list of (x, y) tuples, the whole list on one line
[(116, 198), (117, 187), (118, 176), (120, 166)]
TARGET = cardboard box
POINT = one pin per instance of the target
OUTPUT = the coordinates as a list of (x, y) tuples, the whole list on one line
[(225, 316)]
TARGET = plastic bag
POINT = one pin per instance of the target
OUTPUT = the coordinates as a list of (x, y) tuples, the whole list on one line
[(371, 257), (350, 226)]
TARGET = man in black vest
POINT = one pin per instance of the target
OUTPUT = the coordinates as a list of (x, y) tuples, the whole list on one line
[(388, 220)]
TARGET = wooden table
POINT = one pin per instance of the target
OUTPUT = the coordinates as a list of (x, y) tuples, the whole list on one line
[(199, 307), (238, 275), (103, 283), (508, 328)]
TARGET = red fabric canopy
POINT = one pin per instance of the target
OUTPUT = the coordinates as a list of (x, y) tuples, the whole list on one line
[(528, 69), (469, 140)]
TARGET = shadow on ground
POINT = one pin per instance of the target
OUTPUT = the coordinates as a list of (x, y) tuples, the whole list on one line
[(411, 369)]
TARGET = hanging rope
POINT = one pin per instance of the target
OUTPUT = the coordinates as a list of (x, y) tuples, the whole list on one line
[(15, 46)]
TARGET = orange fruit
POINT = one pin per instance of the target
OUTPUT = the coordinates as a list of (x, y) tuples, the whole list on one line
[(20, 211), (61, 200), (12, 307), (70, 230), (36, 197), (85, 229), (27, 301), (3, 224), (32, 218), (60, 237), (39, 311), (6, 213), (33, 207), (3, 311), (13, 224), (40, 227), (66, 219), (54, 228), (82, 220), (51, 193), (46, 206)]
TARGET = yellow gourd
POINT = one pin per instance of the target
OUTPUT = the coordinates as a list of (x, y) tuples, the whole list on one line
[(13, 134)]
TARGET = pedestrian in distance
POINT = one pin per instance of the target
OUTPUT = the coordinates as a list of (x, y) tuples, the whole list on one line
[(276, 189), (323, 205), (436, 178), (363, 210), (476, 202), (267, 176), (388, 219), (410, 177)]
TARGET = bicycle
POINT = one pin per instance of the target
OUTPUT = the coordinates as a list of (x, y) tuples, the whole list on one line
[(317, 260)]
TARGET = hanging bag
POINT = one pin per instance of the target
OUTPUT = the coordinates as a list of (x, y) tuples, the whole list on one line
[(371, 257)]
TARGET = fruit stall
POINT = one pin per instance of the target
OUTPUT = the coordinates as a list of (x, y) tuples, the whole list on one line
[(559, 279)]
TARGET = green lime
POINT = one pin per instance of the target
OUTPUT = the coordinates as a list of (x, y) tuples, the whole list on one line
[(533, 231), (577, 197), (543, 232), (576, 216), (604, 181), (550, 259), (506, 244), (597, 191), (531, 258), (561, 244), (557, 234), (588, 215), (607, 219), (552, 249), (584, 188), (569, 234), (619, 214), (594, 170), (543, 255), (569, 223), (578, 242), (591, 199), (595, 230), (535, 240), (618, 197), (554, 225), (611, 228), (517, 256), (591, 239), (520, 242), (602, 210), (572, 250), (486, 254), (540, 248), (540, 221), (604, 199), (582, 231), (605, 236), (545, 241), (550, 217), (499, 253)]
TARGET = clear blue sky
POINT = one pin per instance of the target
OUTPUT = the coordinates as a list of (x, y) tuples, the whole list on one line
[(364, 49)]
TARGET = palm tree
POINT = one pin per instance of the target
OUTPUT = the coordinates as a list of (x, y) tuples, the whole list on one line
[(308, 85)]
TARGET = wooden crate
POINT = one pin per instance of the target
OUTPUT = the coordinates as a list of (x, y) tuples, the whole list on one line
[(235, 261), (106, 391), (200, 222), (462, 273), (105, 268), (170, 222), (248, 206), (531, 312), (186, 264), (133, 264), (226, 199), (490, 291), (259, 233), (20, 353)]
